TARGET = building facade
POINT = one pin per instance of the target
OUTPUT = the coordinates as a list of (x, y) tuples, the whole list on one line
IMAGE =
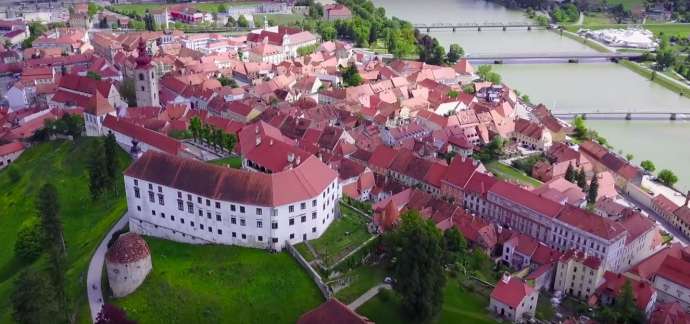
[(190, 201)]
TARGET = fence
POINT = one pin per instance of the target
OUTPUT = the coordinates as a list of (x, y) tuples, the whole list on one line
[(325, 290)]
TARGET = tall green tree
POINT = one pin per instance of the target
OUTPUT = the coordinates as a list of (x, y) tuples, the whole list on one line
[(582, 179), (350, 75), (49, 211), (99, 180), (242, 21), (417, 248), (454, 245), (593, 190), (195, 127), (111, 165), (648, 165), (33, 299), (455, 52), (667, 177), (624, 310), (570, 173)]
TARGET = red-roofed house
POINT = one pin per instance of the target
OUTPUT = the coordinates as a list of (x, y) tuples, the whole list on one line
[(128, 134), (332, 312), (578, 274), (335, 12), (672, 280), (671, 313), (611, 287), (514, 299), (9, 153)]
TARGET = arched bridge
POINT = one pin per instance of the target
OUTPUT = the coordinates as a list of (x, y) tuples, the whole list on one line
[(633, 115), (564, 57)]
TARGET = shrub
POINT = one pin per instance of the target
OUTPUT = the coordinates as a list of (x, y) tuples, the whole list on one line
[(14, 174), (29, 244)]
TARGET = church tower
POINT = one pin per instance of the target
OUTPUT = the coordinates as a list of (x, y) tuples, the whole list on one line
[(145, 80)]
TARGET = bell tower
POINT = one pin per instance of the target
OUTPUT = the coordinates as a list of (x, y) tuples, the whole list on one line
[(145, 81)]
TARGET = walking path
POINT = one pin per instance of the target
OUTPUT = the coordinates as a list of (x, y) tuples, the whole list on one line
[(368, 295), (93, 278)]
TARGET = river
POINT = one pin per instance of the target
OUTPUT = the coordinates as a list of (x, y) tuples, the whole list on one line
[(565, 87)]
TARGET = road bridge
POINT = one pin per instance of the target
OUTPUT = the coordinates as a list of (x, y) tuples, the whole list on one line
[(478, 26), (564, 57), (632, 115)]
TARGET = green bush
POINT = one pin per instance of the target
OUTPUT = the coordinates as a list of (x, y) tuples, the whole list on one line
[(29, 244), (14, 174)]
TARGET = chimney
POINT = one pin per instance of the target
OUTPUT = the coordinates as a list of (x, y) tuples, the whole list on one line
[(290, 157), (258, 140), (505, 278), (299, 160), (499, 229), (256, 129), (270, 142)]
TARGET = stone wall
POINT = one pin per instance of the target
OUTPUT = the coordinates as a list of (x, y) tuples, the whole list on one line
[(325, 290), (125, 278)]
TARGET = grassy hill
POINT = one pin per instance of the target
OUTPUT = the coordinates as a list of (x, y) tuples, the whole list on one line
[(62, 163), (220, 284)]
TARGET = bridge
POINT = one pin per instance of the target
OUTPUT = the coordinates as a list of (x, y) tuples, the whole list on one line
[(564, 57), (633, 115), (478, 26)]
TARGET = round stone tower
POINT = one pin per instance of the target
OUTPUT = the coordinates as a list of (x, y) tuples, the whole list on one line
[(128, 262)]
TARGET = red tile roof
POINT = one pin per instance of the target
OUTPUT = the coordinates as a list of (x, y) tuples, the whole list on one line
[(460, 171), (511, 291), (675, 269), (304, 181), (128, 248), (591, 223), (526, 198), (161, 142), (11, 148), (613, 284), (332, 312), (671, 313), (382, 157)]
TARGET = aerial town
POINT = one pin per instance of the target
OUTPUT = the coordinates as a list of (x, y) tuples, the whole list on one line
[(328, 162)]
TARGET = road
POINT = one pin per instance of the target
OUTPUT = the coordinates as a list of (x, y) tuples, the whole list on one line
[(93, 278), (368, 295)]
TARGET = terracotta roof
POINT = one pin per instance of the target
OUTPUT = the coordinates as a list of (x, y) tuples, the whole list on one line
[(11, 148), (675, 269), (591, 223), (613, 284), (332, 312), (511, 291), (142, 134), (526, 198), (666, 205), (671, 313), (305, 181), (129, 247), (460, 171), (382, 157)]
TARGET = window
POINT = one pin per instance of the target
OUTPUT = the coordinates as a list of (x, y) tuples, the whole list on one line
[(292, 221), (172, 218), (201, 226), (153, 212), (190, 207), (303, 206), (180, 205), (313, 229), (201, 213), (260, 238), (233, 220), (210, 229), (141, 77), (313, 215), (198, 200), (189, 197), (242, 209), (292, 235), (208, 202), (274, 225), (275, 240), (217, 204), (259, 224), (234, 234), (291, 209), (160, 189), (151, 197), (242, 222), (244, 236), (179, 194), (303, 218), (220, 231), (208, 215), (182, 220), (258, 211), (161, 201), (136, 192), (218, 217), (191, 224), (162, 215), (232, 207), (136, 182), (313, 203), (150, 186)]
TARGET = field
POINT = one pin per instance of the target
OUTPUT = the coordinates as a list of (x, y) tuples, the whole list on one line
[(627, 4), (364, 277), (232, 161), (216, 284), (508, 173), (63, 163), (343, 235), (277, 19), (459, 306), (140, 8)]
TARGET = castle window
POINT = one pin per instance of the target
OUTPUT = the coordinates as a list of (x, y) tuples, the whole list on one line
[(141, 77)]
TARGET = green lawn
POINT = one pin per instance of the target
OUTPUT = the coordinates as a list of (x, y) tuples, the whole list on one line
[(304, 251), (343, 235), (85, 221), (278, 19), (627, 4), (212, 7), (232, 161), (363, 278), (216, 284), (459, 306), (506, 172)]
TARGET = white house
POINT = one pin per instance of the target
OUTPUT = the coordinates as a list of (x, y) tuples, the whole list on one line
[(191, 201), (514, 299)]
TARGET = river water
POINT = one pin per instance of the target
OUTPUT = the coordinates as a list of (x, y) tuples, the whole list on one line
[(565, 87)]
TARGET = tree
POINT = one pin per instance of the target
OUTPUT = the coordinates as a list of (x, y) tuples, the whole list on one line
[(231, 22), (648, 165), (350, 75), (327, 30), (195, 127), (111, 166), (417, 250), (667, 177), (111, 314), (225, 81), (93, 9), (222, 8), (580, 128), (93, 75), (33, 299), (454, 245), (629, 157), (128, 92), (99, 181), (582, 180), (149, 23), (487, 74), (570, 173), (229, 142), (242, 21), (29, 243), (493, 150), (455, 52), (48, 209), (593, 190), (623, 310)]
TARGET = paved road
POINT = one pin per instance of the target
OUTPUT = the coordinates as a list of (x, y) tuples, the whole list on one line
[(368, 295), (93, 277)]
